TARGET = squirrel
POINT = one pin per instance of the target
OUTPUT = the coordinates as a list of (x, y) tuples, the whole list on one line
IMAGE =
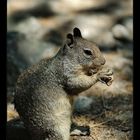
[(44, 91)]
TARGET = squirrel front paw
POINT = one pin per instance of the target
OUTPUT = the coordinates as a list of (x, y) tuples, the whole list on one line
[(105, 76)]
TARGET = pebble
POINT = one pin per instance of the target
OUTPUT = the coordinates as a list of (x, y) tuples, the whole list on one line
[(82, 104), (120, 32)]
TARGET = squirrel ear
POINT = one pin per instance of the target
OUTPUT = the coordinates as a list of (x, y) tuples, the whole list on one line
[(70, 39), (77, 32)]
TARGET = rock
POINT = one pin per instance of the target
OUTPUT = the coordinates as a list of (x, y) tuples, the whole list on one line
[(120, 32), (31, 27), (128, 23), (92, 26), (97, 29), (18, 11), (70, 6), (106, 41), (82, 104), (15, 62), (34, 50), (117, 61)]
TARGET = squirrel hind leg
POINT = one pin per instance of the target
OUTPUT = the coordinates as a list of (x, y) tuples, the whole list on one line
[(52, 135), (48, 135)]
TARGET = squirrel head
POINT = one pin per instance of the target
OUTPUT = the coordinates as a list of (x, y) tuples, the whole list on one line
[(82, 51)]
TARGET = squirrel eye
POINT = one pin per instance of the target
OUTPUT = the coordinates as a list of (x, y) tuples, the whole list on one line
[(87, 51)]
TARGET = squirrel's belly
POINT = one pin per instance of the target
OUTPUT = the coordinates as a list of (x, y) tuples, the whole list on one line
[(62, 113)]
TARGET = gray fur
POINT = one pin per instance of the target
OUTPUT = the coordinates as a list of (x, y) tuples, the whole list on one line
[(43, 90)]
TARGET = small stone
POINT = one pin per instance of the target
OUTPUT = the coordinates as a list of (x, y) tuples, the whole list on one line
[(83, 103), (120, 32)]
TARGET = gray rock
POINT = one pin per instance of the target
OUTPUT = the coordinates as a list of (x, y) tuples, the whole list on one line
[(128, 23), (15, 62), (121, 32), (31, 28), (82, 104)]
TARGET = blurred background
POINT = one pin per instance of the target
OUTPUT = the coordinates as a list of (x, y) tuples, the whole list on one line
[(38, 28)]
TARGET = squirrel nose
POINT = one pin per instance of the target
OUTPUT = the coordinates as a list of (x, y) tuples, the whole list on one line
[(99, 61)]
